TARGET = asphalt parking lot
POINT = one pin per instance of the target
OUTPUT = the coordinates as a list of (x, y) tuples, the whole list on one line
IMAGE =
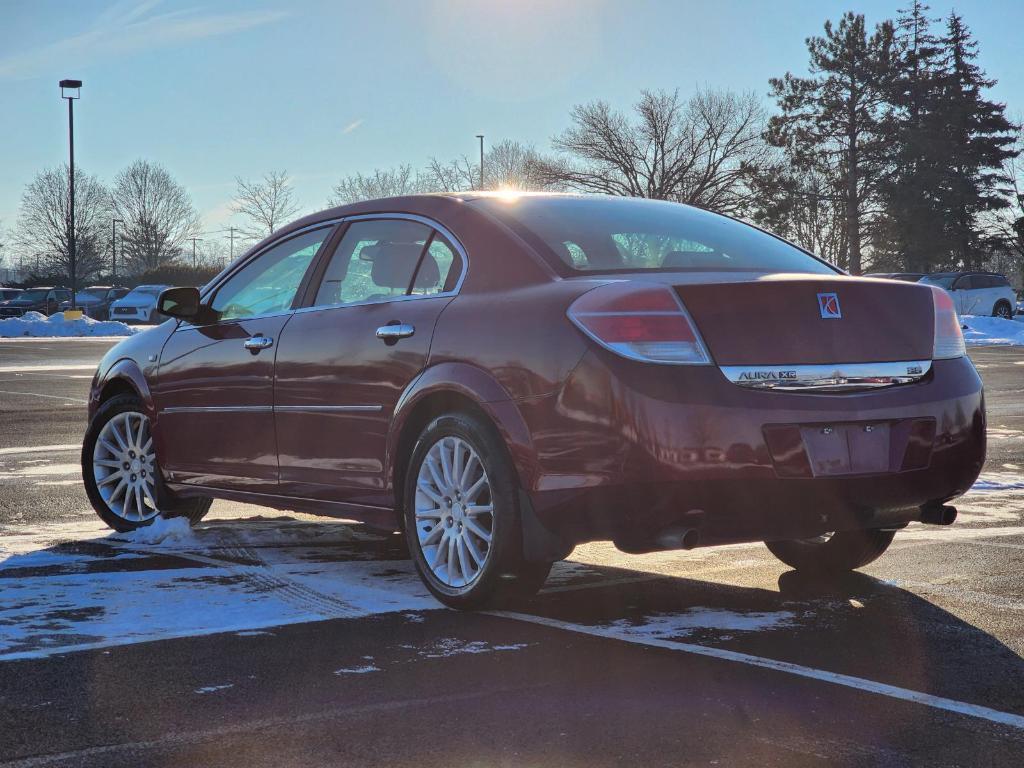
[(273, 639)]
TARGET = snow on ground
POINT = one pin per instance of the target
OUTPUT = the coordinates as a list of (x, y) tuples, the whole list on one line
[(38, 324), (980, 330), (176, 530), (675, 625)]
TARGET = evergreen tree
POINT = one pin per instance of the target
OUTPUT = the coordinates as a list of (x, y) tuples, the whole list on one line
[(912, 192), (978, 141), (832, 121)]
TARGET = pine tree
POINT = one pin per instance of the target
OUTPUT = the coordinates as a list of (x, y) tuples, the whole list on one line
[(978, 141), (831, 122), (912, 191)]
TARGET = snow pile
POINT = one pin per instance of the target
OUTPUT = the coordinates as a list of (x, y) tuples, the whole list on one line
[(979, 329), (37, 324), (175, 530)]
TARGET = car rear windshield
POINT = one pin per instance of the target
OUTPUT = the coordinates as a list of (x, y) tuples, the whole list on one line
[(607, 234)]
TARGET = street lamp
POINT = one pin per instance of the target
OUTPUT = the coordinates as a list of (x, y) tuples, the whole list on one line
[(70, 91), (481, 137), (113, 247)]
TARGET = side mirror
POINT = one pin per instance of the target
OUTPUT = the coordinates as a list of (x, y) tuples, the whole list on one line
[(182, 303)]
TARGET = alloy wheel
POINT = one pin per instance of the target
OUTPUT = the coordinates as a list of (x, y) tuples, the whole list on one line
[(124, 467), (454, 512)]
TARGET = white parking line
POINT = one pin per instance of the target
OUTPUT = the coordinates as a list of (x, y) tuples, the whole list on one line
[(53, 367), (48, 397), (39, 449), (848, 681)]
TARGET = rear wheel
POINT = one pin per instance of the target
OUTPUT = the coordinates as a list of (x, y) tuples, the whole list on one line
[(1003, 309), (119, 467), (461, 511), (832, 553)]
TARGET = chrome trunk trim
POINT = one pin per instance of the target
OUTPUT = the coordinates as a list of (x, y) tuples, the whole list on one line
[(837, 377)]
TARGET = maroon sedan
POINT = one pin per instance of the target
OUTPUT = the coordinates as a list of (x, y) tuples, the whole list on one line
[(504, 377)]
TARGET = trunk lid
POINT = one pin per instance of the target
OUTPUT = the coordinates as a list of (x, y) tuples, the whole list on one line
[(791, 319)]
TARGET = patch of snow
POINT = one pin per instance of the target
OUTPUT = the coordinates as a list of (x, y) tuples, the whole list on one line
[(39, 325), (254, 633), (669, 625), (175, 530), (449, 646), (998, 481), (365, 669), (214, 688), (979, 330)]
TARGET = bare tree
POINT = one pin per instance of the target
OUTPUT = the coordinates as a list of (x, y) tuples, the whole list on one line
[(157, 212), (390, 182), (454, 176), (43, 223), (701, 151), (511, 165), (266, 205)]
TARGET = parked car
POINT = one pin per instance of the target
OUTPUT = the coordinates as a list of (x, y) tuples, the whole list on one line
[(138, 305), (6, 294), (95, 300), (504, 377), (909, 277), (977, 293), (42, 299)]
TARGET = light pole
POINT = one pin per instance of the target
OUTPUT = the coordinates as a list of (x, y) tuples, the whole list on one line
[(481, 137), (69, 91), (113, 248)]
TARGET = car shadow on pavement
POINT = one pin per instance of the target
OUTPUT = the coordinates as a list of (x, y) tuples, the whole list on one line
[(269, 572)]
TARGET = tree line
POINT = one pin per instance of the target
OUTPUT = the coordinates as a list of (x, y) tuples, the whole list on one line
[(887, 154)]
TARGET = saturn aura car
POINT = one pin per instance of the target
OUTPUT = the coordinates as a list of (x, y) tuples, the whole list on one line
[(502, 377)]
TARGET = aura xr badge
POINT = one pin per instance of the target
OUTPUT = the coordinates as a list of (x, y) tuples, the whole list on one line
[(828, 303)]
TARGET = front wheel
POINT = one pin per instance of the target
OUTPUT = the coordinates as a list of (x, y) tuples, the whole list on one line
[(461, 513), (119, 467), (833, 553)]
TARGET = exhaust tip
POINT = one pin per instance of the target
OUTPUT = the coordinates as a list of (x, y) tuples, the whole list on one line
[(937, 513)]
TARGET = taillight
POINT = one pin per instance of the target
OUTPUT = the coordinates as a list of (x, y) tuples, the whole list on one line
[(641, 321), (949, 339)]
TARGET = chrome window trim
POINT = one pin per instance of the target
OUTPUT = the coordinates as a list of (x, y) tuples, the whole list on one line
[(215, 284), (409, 296), (837, 377)]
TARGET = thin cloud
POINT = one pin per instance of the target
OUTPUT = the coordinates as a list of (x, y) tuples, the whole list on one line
[(127, 28), (352, 126)]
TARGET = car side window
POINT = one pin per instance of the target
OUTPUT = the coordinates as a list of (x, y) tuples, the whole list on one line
[(268, 283), (964, 283), (440, 268), (374, 261)]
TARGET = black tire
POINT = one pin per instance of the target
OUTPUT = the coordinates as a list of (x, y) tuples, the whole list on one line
[(1003, 309), (505, 575), (194, 509), (839, 552)]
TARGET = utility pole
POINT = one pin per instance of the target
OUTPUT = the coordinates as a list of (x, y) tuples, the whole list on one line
[(232, 244), (194, 241), (481, 137)]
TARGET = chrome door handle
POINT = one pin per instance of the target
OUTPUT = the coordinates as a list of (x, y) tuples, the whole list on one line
[(256, 343), (390, 334)]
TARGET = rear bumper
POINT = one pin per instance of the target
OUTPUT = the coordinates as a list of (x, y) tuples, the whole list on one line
[(627, 450)]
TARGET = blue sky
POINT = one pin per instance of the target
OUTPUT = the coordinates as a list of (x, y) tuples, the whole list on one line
[(213, 90)]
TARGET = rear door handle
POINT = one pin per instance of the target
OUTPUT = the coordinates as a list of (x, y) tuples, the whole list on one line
[(390, 334), (255, 343)]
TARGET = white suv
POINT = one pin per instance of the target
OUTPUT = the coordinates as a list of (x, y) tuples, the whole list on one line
[(977, 293), (139, 306)]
